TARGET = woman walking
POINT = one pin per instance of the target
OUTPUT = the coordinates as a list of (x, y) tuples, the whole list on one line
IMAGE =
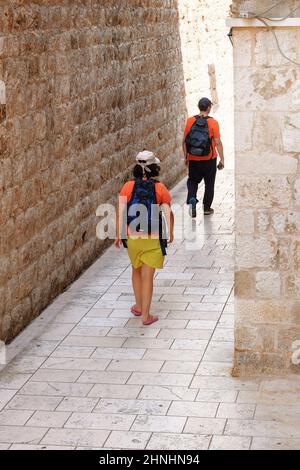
[(144, 206)]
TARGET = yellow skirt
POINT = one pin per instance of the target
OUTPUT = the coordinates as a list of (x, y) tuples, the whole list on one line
[(145, 251)]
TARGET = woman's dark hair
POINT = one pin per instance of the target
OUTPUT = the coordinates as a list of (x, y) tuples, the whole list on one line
[(154, 171)]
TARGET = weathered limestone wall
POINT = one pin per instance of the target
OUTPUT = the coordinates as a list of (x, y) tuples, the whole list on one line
[(84, 85), (207, 61), (260, 6), (267, 125)]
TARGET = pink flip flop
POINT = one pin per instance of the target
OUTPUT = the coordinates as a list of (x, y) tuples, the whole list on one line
[(135, 312), (150, 320)]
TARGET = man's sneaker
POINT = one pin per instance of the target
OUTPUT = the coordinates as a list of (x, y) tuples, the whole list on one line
[(193, 208), (208, 211)]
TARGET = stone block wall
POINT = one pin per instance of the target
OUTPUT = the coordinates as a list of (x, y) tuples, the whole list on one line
[(267, 129), (84, 85)]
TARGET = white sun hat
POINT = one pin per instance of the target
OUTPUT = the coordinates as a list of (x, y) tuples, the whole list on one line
[(147, 158)]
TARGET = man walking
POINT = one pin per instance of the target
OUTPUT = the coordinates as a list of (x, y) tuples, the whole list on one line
[(201, 146)]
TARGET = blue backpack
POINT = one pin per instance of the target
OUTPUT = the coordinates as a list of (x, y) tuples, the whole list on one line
[(144, 194)]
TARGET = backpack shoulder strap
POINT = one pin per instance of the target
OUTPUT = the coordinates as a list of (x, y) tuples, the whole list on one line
[(154, 182), (211, 138), (203, 117), (135, 181)]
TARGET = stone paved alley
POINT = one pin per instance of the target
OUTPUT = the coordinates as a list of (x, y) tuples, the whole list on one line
[(92, 377)]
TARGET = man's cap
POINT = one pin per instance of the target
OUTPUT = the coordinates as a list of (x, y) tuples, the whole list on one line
[(148, 158), (204, 103)]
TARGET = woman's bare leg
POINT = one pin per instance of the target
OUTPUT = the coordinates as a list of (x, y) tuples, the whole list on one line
[(147, 290), (137, 287)]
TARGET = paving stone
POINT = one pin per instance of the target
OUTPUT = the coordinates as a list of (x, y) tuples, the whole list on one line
[(25, 365), (128, 440), (192, 315), (190, 344), (115, 391), (60, 389), (53, 419), (219, 369), (119, 422), (75, 437), (172, 355), (5, 396), (73, 351), (77, 364), (172, 276), (199, 290), (134, 332), (160, 379), (119, 313), (99, 312), (226, 383), (278, 412), (93, 341), (35, 403), (102, 322), (219, 351), (135, 365), (72, 317), (11, 381), (89, 331), (236, 410), (28, 435), (186, 408), (168, 393), (205, 426), (79, 404), (56, 332), (162, 323), (170, 424), (167, 441), (186, 334), (223, 334), (54, 375), (39, 447), (41, 348), (272, 443), (105, 377), (119, 353), (226, 321), (135, 407), (14, 417), (181, 298), (206, 307), (180, 367), (201, 324), (219, 396), (147, 343), (230, 443), (262, 428), (248, 396)]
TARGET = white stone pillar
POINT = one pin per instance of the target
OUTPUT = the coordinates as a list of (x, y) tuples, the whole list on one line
[(267, 150)]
